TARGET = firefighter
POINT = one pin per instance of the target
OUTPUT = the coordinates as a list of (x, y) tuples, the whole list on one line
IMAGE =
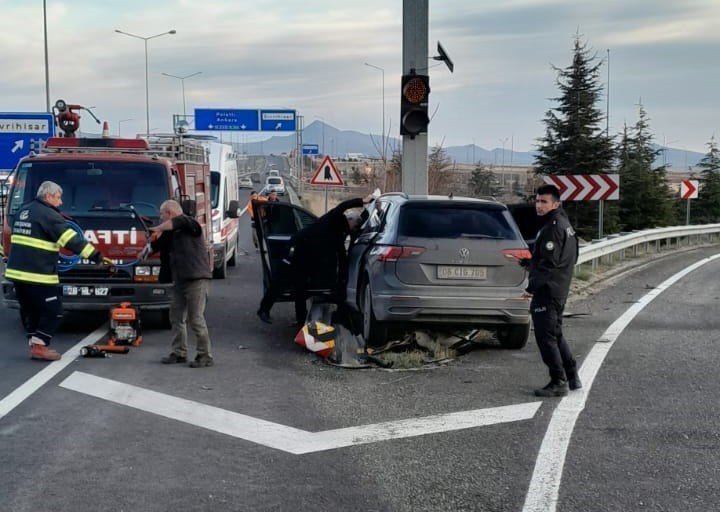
[(39, 230), (318, 254), (551, 267)]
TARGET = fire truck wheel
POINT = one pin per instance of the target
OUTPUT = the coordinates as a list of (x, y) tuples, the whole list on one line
[(233, 259)]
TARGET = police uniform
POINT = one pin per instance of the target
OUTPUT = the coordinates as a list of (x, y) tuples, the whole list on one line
[(553, 259), (38, 232)]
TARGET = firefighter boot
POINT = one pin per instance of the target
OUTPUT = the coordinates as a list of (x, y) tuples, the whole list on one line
[(43, 353), (556, 387)]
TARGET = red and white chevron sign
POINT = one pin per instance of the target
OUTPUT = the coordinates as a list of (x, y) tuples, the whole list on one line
[(689, 189), (586, 187)]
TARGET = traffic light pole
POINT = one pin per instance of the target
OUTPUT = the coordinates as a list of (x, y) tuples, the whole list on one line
[(415, 56)]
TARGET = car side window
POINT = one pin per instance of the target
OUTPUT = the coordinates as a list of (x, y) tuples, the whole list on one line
[(377, 215)]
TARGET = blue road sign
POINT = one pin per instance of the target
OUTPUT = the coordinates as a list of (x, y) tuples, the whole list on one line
[(277, 120), (226, 120), (310, 149), (17, 129)]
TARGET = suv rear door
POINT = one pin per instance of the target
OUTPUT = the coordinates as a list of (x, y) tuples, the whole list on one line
[(463, 242), (275, 224)]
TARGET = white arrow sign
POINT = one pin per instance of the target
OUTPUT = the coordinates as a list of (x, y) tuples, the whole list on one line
[(18, 145), (281, 437)]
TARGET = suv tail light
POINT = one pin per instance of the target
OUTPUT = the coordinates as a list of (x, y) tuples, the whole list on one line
[(390, 253), (518, 254)]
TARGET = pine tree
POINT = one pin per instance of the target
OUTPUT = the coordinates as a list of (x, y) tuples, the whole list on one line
[(574, 141), (483, 182), (706, 208), (645, 199)]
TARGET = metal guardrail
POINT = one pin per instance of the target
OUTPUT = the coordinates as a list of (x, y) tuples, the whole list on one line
[(647, 240)]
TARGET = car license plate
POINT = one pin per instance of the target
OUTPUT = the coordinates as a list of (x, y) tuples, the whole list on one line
[(461, 272), (84, 291)]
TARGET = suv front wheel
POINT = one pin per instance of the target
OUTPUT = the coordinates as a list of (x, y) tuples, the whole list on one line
[(374, 332)]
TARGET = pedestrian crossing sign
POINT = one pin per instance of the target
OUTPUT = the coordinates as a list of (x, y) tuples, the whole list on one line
[(327, 174)]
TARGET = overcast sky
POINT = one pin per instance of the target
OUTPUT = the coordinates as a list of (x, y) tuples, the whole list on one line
[(308, 55)]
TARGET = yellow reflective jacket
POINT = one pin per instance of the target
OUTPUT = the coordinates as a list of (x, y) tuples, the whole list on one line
[(38, 233)]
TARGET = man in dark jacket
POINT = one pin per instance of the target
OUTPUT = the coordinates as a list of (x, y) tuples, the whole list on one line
[(318, 254), (551, 267), (39, 230), (182, 246)]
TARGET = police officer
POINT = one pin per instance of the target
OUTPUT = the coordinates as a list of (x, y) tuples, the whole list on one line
[(551, 267), (39, 230), (318, 254)]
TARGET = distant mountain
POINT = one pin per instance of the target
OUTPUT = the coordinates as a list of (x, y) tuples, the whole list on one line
[(340, 142)]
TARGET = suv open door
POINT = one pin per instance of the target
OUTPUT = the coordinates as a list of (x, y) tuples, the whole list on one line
[(275, 225)]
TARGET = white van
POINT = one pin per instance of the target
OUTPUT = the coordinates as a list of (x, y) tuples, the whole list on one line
[(224, 201)]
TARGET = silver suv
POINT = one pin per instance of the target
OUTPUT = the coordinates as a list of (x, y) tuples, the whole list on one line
[(439, 262), (419, 261)]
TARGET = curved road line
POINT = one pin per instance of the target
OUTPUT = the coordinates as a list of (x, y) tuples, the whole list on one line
[(544, 487)]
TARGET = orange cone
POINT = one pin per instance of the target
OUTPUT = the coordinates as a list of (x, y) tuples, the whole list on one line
[(106, 129)]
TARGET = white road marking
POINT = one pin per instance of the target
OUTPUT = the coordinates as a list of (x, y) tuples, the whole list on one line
[(544, 487), (38, 380), (281, 437)]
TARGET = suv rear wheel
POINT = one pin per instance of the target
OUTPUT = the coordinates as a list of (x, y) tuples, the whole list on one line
[(374, 332), (513, 337)]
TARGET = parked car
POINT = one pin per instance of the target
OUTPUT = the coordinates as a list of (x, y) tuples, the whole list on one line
[(422, 262), (245, 182), (276, 184)]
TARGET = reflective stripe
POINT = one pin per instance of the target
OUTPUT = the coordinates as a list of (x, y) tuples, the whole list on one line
[(87, 251), (31, 277), (35, 243), (67, 235)]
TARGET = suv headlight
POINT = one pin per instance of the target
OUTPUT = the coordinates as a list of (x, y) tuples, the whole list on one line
[(142, 270), (216, 226)]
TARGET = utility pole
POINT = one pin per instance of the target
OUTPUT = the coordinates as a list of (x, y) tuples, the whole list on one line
[(415, 58)]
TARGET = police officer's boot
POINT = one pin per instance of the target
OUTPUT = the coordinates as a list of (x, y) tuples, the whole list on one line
[(556, 387), (573, 378)]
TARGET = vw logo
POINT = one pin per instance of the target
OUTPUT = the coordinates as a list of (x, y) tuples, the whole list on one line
[(464, 253)]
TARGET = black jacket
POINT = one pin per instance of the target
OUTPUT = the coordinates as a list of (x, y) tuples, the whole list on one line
[(322, 244), (38, 232), (554, 256), (184, 251)]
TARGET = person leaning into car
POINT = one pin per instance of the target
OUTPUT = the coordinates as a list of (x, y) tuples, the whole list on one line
[(318, 248), (551, 267)]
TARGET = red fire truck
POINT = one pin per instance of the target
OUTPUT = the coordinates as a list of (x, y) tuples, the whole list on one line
[(112, 192)]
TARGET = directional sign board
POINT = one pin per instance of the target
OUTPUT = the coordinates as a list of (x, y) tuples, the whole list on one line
[(689, 189), (310, 149), (207, 119), (17, 129), (586, 187), (277, 120), (327, 174)]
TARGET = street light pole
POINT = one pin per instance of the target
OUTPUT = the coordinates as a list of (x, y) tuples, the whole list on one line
[(382, 139), (47, 70), (182, 81), (120, 122), (147, 86)]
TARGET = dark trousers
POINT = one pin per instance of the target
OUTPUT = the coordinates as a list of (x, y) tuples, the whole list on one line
[(547, 316), (40, 309)]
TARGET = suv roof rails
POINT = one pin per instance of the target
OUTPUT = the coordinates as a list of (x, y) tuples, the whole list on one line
[(401, 194)]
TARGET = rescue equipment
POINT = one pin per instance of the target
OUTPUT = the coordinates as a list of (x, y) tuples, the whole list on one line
[(102, 350), (125, 326)]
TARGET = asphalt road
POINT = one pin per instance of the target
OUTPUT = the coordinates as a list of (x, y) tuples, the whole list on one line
[(647, 438)]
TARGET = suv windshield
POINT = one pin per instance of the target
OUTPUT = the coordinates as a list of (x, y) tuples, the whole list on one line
[(91, 188), (426, 220)]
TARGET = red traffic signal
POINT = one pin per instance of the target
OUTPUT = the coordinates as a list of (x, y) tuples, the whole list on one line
[(415, 92)]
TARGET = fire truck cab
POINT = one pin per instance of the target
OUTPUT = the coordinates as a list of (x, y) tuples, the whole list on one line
[(112, 192)]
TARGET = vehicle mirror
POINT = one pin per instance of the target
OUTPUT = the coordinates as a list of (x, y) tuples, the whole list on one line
[(233, 209), (189, 207)]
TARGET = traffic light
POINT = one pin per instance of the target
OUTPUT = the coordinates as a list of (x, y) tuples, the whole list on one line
[(415, 92)]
